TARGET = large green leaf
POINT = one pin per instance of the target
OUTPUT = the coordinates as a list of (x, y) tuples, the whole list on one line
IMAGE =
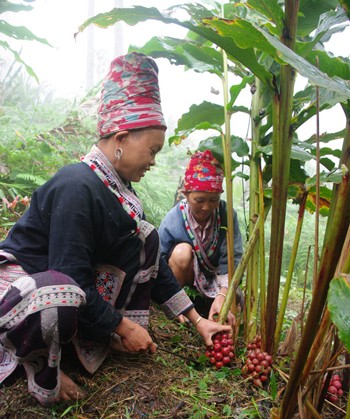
[(197, 114), (271, 9), (309, 13), (333, 66), (243, 33), (327, 99), (297, 171), (20, 33), (137, 14), (184, 52), (312, 73), (339, 307), (6, 6), (238, 145), (297, 152), (329, 23)]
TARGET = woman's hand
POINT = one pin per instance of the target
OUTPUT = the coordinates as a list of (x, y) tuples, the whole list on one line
[(134, 337), (215, 310), (206, 328)]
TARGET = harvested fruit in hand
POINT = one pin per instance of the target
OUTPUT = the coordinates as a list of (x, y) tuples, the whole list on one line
[(335, 389), (222, 351), (257, 366)]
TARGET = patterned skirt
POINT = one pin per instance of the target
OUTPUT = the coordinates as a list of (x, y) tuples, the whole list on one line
[(38, 313)]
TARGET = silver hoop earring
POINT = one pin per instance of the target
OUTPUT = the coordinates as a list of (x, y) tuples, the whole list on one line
[(118, 152)]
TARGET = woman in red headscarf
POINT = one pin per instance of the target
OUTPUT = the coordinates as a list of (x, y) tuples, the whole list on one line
[(82, 264), (193, 236)]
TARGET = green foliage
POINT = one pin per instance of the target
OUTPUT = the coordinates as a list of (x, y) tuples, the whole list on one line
[(339, 307), (43, 134), (158, 189), (18, 33)]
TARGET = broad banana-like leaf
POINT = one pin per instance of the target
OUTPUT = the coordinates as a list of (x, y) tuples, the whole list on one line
[(238, 145), (6, 6), (136, 14), (204, 116), (312, 73), (197, 114), (309, 12), (243, 34), (246, 36), (333, 66), (271, 9), (20, 33), (331, 22), (195, 56), (184, 52), (339, 307)]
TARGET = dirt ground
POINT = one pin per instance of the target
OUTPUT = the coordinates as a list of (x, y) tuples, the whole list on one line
[(176, 382)]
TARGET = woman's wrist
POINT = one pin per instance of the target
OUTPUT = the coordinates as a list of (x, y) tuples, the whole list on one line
[(198, 320), (193, 316)]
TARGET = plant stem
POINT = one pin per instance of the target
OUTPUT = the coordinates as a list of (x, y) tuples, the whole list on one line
[(262, 259), (289, 278), (282, 143), (337, 226), (252, 272), (231, 292), (226, 139)]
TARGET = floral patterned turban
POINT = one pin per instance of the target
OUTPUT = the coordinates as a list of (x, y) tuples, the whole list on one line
[(130, 96), (203, 173)]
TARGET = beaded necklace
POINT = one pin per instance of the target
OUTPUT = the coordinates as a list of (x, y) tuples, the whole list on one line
[(201, 254)]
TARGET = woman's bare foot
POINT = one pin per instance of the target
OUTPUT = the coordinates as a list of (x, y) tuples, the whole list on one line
[(69, 390)]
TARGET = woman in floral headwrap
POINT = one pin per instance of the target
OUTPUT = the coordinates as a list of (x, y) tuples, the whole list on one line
[(82, 264), (193, 235)]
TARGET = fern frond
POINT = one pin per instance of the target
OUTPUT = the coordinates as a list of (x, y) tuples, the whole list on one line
[(34, 179)]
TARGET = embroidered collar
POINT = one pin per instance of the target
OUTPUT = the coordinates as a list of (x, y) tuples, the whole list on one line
[(103, 168)]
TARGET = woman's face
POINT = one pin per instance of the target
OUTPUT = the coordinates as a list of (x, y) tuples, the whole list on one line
[(203, 204), (139, 153)]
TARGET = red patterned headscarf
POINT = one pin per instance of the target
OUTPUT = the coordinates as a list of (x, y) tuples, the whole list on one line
[(203, 173), (130, 96)]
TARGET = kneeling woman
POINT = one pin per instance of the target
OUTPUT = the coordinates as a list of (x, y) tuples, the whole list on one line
[(193, 236), (82, 264)]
